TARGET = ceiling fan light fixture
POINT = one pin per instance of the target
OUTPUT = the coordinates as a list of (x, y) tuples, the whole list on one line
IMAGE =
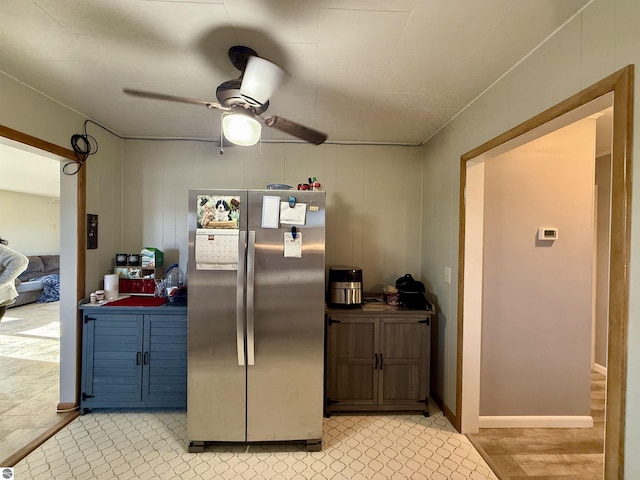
[(241, 129), (260, 80)]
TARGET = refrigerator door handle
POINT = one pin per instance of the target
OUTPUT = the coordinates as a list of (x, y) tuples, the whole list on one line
[(240, 298), (251, 256)]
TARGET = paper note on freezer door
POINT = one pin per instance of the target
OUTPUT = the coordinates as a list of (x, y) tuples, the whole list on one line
[(295, 215), (293, 246)]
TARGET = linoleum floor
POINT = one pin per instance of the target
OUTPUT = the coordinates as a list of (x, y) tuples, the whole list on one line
[(125, 444), (109, 445)]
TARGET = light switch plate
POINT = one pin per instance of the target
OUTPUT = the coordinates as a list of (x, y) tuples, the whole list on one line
[(447, 274)]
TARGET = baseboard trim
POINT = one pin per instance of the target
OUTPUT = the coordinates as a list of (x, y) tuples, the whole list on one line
[(450, 416), (600, 369), (447, 413), (536, 421)]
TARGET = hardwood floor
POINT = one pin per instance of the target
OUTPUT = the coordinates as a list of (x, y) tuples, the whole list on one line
[(29, 379), (548, 453)]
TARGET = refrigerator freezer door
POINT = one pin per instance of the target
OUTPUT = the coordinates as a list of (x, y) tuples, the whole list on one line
[(285, 384), (216, 382)]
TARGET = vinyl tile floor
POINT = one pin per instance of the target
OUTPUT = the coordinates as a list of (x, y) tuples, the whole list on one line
[(127, 444)]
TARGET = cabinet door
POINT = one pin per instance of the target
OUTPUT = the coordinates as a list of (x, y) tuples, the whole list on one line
[(404, 363), (112, 370), (165, 361), (352, 374)]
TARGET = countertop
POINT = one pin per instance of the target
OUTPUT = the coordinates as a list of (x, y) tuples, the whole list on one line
[(163, 309), (377, 308)]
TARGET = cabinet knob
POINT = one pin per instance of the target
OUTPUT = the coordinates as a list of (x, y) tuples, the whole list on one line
[(138, 358)]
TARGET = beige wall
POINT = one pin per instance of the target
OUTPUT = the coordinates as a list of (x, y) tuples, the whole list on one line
[(537, 295), (27, 111), (31, 223), (373, 196), (599, 41), (104, 198)]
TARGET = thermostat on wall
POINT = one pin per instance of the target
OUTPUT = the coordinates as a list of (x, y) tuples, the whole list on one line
[(547, 233)]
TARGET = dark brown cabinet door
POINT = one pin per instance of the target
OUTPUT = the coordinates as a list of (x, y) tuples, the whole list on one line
[(352, 378), (404, 363)]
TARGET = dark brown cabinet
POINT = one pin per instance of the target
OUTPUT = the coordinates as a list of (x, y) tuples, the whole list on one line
[(377, 360)]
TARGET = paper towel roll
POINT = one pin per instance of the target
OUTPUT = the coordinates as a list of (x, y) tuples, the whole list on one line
[(111, 286)]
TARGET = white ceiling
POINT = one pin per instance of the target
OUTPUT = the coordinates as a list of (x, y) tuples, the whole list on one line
[(388, 71), (27, 170)]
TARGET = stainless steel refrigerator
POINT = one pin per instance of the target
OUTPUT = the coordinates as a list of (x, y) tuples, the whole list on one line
[(255, 316)]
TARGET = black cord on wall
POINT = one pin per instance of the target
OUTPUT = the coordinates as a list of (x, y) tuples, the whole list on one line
[(83, 145)]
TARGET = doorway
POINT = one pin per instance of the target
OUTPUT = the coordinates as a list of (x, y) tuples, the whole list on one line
[(29, 332), (620, 84), (72, 266)]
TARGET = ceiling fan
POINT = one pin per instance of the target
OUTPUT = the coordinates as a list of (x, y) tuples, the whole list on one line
[(243, 101)]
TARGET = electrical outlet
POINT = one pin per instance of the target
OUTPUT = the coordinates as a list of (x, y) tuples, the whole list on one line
[(447, 275)]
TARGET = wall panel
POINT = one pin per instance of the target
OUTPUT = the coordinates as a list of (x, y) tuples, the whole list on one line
[(373, 196)]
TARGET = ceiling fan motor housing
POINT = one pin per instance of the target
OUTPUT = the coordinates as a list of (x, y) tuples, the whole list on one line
[(228, 94)]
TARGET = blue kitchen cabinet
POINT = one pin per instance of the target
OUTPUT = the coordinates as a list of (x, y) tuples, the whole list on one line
[(134, 358)]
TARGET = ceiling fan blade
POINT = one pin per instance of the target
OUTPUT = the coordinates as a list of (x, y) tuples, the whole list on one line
[(292, 128), (172, 98)]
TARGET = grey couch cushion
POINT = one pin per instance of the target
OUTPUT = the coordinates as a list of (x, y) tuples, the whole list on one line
[(35, 269), (29, 284), (51, 263)]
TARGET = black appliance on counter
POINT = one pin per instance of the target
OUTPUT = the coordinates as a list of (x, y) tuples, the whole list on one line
[(345, 286)]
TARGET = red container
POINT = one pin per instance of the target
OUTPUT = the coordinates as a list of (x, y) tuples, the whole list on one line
[(141, 286)]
